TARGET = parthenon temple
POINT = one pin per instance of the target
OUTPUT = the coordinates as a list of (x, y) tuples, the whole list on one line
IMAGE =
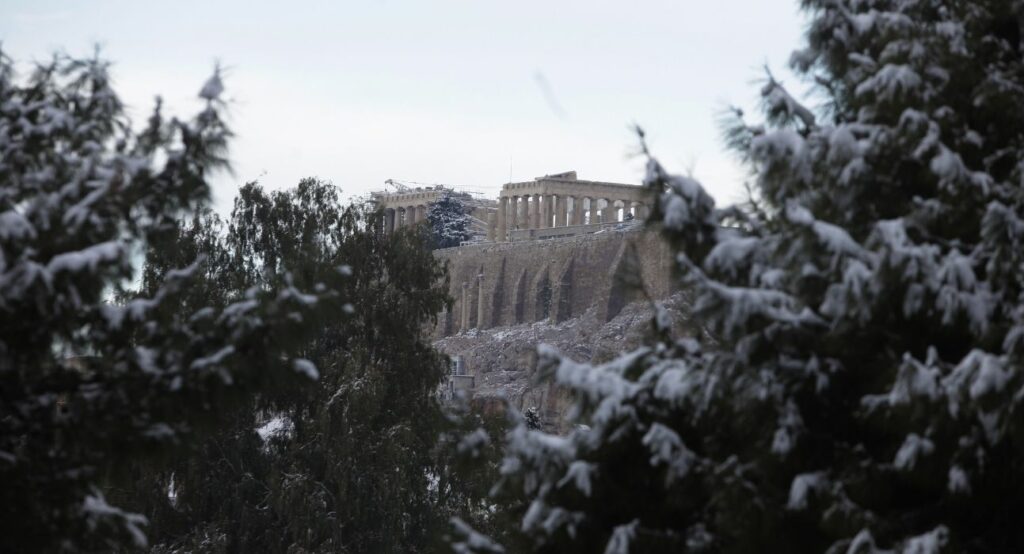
[(546, 207), (552, 249)]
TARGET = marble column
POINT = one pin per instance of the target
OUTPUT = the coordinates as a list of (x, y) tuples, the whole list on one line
[(492, 225), (502, 228), (524, 211), (561, 211), (389, 221), (513, 209), (531, 210), (421, 212)]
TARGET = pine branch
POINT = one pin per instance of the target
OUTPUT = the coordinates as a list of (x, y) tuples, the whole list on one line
[(781, 108)]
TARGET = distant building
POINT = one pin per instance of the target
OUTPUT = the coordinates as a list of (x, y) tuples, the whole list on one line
[(548, 249), (547, 207), (408, 206), (562, 205)]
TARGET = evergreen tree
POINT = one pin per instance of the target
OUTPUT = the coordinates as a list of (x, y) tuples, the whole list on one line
[(470, 462), (351, 466), (88, 385), (858, 387), (449, 221)]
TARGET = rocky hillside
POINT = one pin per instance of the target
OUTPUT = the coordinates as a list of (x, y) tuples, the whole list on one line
[(503, 359)]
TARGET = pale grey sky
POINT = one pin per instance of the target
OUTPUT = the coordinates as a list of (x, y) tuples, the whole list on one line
[(447, 91)]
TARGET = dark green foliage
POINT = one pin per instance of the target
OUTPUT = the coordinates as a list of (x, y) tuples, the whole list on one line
[(87, 385), (356, 468), (470, 461), (449, 221)]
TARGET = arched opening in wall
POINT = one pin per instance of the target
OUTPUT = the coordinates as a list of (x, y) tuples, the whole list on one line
[(564, 308), (519, 299), (542, 306), (498, 296), (627, 283), (474, 302)]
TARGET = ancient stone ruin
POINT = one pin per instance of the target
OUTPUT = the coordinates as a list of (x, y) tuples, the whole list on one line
[(546, 252)]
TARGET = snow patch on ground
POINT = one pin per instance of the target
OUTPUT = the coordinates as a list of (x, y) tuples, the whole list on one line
[(276, 426)]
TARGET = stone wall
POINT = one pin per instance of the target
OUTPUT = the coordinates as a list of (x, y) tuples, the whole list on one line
[(504, 284)]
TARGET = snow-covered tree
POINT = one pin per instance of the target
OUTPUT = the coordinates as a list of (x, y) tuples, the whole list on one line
[(449, 221), (87, 384), (858, 383)]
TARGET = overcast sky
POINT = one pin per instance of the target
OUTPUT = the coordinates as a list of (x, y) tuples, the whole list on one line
[(442, 91)]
